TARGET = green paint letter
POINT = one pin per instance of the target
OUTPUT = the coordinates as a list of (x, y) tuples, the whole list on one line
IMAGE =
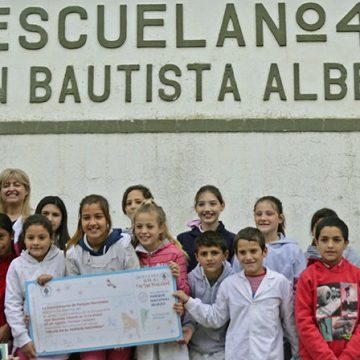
[(3, 88), (128, 71), (172, 83), (279, 31), (230, 16), (69, 86), (274, 76), (106, 92), (36, 84), (111, 44), (29, 45), (331, 82), (142, 22), (67, 44), (229, 84), (180, 41), (3, 26)]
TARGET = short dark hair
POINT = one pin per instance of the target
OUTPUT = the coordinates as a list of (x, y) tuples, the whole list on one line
[(250, 234), (332, 221), (210, 238), (321, 214)]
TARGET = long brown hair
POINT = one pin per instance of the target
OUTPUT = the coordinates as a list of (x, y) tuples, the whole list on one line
[(88, 200)]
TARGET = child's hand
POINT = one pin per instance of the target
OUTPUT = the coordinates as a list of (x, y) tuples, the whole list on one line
[(187, 334), (29, 350), (5, 333), (175, 269), (181, 296), (43, 279), (179, 308)]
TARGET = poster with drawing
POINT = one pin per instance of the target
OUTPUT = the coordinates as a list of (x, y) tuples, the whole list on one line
[(101, 311)]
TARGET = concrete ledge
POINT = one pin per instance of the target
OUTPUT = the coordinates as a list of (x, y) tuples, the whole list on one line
[(177, 126)]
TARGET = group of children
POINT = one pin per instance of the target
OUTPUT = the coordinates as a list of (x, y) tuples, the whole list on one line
[(242, 286)]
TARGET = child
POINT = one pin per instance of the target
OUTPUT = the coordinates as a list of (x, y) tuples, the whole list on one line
[(54, 209), (7, 254), (257, 301), (327, 298), (96, 248), (284, 255), (211, 253), (15, 199), (39, 258), (312, 252), (209, 204), (133, 197), (157, 247)]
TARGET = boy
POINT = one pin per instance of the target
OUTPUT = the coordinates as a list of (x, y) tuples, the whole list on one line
[(327, 304), (211, 253), (257, 301)]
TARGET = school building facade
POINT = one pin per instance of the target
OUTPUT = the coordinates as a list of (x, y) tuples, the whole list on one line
[(257, 98)]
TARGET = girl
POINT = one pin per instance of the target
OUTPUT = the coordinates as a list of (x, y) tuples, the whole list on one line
[(156, 246), (208, 204), (312, 253), (133, 197), (96, 248), (15, 199), (54, 209), (40, 258), (284, 255), (7, 254)]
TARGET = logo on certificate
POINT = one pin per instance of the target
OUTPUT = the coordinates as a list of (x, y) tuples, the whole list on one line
[(164, 276), (46, 291)]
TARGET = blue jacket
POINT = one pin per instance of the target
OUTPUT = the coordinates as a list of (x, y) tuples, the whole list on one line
[(206, 340), (187, 240)]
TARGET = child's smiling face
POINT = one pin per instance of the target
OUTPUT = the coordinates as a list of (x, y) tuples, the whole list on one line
[(331, 244), (251, 257), (94, 224), (148, 230), (208, 208), (267, 218), (37, 241)]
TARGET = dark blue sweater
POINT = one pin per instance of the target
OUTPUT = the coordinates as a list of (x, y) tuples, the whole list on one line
[(187, 240)]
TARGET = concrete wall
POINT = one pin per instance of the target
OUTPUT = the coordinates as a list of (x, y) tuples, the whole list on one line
[(305, 170)]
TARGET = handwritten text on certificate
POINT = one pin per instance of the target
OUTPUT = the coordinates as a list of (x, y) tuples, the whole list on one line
[(101, 311)]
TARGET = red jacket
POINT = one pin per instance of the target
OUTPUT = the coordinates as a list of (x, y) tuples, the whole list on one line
[(4, 265), (327, 312), (162, 256)]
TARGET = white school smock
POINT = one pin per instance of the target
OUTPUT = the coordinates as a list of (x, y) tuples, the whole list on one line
[(121, 255), (256, 323), (24, 268)]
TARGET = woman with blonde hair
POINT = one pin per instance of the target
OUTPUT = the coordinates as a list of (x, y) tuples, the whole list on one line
[(15, 199)]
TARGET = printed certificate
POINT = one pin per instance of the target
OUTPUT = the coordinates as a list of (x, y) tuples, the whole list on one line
[(103, 311)]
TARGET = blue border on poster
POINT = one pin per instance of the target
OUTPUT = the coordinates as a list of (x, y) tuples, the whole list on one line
[(180, 337)]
